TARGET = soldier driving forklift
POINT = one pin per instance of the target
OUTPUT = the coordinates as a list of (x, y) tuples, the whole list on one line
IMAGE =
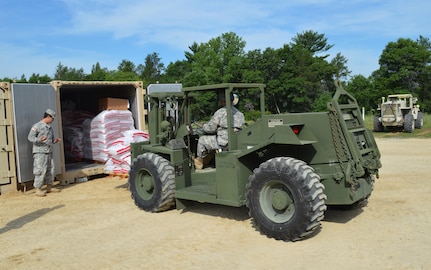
[(216, 135), (285, 168)]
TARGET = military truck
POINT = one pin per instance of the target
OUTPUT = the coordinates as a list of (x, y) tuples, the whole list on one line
[(398, 111), (285, 168)]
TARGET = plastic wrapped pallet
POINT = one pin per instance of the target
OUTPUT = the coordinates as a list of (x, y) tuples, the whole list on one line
[(103, 130), (73, 133), (119, 152)]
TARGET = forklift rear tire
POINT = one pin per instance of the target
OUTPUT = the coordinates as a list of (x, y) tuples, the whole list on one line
[(409, 123), (377, 125), (419, 122), (152, 182), (285, 198)]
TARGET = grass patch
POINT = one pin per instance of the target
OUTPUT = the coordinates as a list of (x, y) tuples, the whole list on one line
[(424, 132)]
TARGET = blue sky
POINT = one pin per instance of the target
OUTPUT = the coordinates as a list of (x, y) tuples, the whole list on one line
[(36, 35)]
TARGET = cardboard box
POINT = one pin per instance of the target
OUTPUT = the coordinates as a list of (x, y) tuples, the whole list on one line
[(113, 104)]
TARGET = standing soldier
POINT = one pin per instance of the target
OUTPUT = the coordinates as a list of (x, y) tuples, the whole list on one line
[(42, 137)]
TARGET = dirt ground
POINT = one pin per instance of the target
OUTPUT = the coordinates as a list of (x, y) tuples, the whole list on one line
[(95, 225)]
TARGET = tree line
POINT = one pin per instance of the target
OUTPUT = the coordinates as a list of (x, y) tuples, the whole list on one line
[(299, 76)]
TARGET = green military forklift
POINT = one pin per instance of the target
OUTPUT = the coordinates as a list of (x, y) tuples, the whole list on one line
[(285, 168)]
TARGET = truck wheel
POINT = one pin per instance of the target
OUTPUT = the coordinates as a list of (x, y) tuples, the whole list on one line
[(152, 182), (378, 126), (409, 123), (419, 122), (285, 199)]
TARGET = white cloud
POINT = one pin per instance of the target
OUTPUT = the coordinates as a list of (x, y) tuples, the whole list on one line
[(82, 33), (28, 60)]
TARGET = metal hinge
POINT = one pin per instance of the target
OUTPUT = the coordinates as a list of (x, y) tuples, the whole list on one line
[(6, 148), (5, 95), (5, 122), (7, 174)]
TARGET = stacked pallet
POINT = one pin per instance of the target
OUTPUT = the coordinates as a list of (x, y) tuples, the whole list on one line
[(107, 139), (103, 130), (119, 160)]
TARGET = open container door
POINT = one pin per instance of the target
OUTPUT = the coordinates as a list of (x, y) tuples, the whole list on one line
[(30, 101), (91, 97), (7, 150)]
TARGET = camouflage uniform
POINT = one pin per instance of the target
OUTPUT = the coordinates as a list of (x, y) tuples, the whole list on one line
[(43, 163), (218, 124)]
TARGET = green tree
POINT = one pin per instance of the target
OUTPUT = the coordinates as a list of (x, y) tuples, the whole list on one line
[(364, 92), (126, 71), (401, 62), (126, 66), (97, 73), (175, 72), (194, 49), (36, 78), (195, 77), (122, 76), (252, 71), (340, 64), (60, 71), (313, 42), (152, 70), (68, 74), (306, 76), (23, 79), (6, 79), (221, 58), (405, 68), (276, 70), (425, 78), (424, 41)]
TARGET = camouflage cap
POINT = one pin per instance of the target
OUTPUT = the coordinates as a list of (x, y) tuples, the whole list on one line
[(50, 112)]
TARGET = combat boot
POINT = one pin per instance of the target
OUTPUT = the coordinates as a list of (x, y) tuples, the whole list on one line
[(40, 193), (50, 189), (207, 159), (199, 163)]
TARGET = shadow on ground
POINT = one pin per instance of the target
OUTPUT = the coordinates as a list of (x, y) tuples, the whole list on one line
[(28, 218)]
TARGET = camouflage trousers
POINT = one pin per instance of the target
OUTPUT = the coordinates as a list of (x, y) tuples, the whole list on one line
[(43, 169), (206, 144)]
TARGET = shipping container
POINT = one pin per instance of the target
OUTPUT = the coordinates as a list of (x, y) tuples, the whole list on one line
[(22, 105), (7, 154)]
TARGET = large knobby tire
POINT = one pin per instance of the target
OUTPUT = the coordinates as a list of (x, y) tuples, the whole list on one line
[(419, 122), (152, 182), (409, 123), (378, 126), (285, 198)]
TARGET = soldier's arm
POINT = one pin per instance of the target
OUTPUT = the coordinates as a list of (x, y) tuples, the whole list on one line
[(33, 135), (212, 125)]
